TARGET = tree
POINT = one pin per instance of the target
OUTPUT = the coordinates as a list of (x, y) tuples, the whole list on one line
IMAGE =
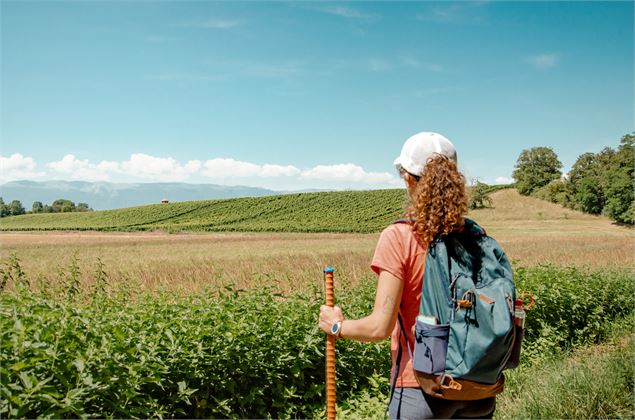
[(535, 168), (15, 208), (62, 206), (620, 192), (83, 207), (37, 207), (588, 181), (478, 196), (585, 165), (589, 196), (557, 191), (4, 209)]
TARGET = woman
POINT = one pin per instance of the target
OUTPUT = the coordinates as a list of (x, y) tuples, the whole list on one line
[(437, 206)]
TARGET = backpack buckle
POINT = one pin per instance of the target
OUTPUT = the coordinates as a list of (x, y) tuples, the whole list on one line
[(467, 300), (451, 383), (463, 304)]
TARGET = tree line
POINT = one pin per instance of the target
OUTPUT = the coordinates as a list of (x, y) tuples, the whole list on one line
[(15, 208), (598, 183)]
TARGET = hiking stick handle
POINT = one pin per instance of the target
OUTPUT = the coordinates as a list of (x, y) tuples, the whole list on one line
[(330, 349)]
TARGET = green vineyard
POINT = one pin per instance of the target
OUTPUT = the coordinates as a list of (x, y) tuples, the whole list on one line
[(347, 211)]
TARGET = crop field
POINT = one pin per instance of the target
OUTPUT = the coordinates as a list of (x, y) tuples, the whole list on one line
[(354, 211), (223, 324)]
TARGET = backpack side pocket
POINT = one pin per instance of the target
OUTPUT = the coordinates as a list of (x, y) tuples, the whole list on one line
[(431, 347)]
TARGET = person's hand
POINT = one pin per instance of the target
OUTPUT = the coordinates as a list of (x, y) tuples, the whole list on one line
[(329, 316)]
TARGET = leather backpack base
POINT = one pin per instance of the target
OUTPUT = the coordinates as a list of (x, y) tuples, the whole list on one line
[(457, 389)]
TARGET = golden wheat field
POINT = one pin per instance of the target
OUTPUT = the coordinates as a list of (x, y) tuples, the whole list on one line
[(531, 231)]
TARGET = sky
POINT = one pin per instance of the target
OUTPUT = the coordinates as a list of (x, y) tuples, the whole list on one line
[(298, 95)]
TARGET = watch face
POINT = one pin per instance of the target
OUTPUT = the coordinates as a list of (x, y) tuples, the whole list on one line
[(334, 328)]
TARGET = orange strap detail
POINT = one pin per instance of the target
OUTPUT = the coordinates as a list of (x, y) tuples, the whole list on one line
[(463, 303), (532, 302), (451, 384)]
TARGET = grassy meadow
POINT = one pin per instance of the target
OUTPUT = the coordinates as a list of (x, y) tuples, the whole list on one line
[(222, 324), (531, 231)]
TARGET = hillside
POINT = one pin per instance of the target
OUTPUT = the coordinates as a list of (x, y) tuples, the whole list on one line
[(513, 215), (349, 211)]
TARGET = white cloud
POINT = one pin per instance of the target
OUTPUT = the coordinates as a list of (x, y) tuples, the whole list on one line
[(347, 172), (158, 38), (462, 13), (434, 67), (156, 168), (139, 165), (18, 167), (168, 169), (422, 93), (278, 170), (504, 180), (215, 23), (108, 166), (81, 169), (184, 77), (410, 61), (273, 70), (227, 168), (347, 12), (379, 65), (544, 61)]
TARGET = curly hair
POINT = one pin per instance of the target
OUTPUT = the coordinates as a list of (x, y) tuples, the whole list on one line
[(438, 202)]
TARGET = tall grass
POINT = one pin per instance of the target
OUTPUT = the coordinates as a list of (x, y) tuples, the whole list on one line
[(191, 262), (591, 382)]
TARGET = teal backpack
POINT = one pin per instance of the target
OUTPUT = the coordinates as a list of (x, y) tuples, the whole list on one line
[(466, 333)]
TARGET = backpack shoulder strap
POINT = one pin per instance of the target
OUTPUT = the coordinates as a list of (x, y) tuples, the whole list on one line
[(402, 333)]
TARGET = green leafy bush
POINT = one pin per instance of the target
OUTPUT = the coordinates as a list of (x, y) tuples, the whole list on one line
[(573, 307), (233, 353), (557, 191), (479, 198), (228, 353)]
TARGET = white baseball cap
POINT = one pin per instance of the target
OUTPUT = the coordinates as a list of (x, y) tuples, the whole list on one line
[(421, 147)]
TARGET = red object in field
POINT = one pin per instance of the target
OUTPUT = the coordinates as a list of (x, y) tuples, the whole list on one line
[(519, 313), (330, 349)]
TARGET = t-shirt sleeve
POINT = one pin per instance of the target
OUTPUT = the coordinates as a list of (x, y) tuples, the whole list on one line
[(389, 253)]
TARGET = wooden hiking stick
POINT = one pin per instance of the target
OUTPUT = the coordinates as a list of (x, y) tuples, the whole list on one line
[(330, 349)]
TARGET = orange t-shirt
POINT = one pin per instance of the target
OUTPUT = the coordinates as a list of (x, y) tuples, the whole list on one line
[(399, 253)]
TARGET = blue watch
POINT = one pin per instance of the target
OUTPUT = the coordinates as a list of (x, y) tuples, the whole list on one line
[(336, 329)]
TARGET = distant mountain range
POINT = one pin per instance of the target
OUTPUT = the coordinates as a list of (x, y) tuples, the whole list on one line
[(106, 195)]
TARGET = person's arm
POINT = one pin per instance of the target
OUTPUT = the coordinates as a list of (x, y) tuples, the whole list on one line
[(376, 326)]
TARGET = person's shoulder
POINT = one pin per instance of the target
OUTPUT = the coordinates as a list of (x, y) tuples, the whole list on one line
[(403, 232), (400, 225), (398, 229)]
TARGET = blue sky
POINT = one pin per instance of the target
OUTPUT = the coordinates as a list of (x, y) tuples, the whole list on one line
[(289, 95)]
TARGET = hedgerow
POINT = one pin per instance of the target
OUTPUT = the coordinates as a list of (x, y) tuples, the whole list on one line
[(255, 353)]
